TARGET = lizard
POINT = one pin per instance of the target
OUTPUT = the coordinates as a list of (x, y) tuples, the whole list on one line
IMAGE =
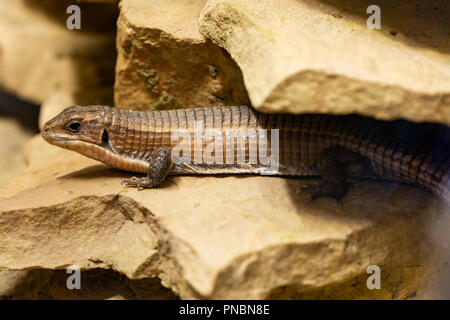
[(335, 147)]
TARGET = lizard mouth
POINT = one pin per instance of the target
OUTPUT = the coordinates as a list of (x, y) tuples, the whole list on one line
[(60, 140), (69, 142), (50, 137)]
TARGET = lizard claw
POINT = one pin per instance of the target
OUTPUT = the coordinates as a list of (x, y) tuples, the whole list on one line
[(129, 182), (139, 183)]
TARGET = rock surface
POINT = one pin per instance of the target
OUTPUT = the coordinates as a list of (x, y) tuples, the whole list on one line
[(66, 209), (38, 54), (164, 62), (242, 237), (309, 56), (12, 160)]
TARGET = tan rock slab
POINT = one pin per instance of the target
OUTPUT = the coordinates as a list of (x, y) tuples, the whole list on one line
[(244, 237), (163, 61), (38, 54), (13, 138), (302, 56)]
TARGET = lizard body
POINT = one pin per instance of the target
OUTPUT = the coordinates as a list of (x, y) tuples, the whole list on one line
[(307, 145)]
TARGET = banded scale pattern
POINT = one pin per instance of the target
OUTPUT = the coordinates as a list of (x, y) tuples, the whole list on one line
[(395, 151)]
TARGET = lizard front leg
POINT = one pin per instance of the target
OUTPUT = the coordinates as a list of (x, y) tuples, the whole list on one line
[(160, 163)]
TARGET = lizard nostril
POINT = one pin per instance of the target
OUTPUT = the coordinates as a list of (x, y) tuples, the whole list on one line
[(47, 129)]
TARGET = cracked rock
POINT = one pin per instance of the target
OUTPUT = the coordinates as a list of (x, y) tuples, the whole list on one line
[(164, 62), (301, 56), (248, 237)]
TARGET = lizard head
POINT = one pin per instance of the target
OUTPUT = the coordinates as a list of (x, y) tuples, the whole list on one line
[(77, 127)]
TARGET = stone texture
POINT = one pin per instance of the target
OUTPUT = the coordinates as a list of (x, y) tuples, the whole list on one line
[(12, 160), (221, 237), (38, 54), (309, 56), (163, 61)]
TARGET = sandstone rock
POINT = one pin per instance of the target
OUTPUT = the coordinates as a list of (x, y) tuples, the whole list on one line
[(311, 56), (163, 61), (222, 237), (14, 137), (38, 54)]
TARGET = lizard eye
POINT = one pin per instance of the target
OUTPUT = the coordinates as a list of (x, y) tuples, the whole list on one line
[(74, 125)]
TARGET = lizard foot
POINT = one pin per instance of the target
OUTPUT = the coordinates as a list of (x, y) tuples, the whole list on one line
[(139, 183)]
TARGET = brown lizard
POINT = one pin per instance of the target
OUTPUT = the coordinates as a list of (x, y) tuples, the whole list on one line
[(239, 140)]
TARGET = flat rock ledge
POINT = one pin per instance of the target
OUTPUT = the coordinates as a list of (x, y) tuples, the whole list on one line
[(302, 56), (222, 237)]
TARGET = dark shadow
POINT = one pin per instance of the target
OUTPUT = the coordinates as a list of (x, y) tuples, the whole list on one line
[(97, 284), (379, 202), (368, 199), (95, 17), (103, 171), (25, 112), (96, 172)]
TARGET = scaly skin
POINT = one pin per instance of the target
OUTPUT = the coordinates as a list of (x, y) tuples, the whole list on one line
[(308, 145)]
